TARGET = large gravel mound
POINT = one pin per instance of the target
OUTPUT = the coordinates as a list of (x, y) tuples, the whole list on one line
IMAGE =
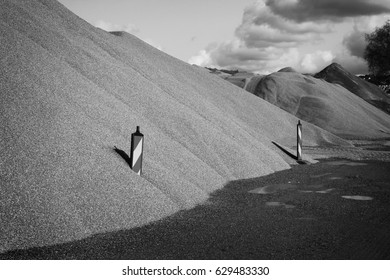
[(71, 92), (336, 74), (329, 106)]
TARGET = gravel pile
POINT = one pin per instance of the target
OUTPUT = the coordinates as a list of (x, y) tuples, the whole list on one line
[(71, 92), (329, 106), (336, 74)]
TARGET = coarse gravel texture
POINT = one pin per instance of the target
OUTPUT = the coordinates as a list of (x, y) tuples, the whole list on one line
[(71, 92), (335, 209)]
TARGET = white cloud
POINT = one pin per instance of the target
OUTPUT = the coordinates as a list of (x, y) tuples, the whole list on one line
[(202, 59), (354, 64), (314, 62), (368, 24), (270, 37), (264, 42), (234, 55)]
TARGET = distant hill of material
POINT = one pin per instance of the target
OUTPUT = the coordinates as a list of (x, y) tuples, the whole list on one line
[(336, 74), (71, 92), (330, 106), (334, 99)]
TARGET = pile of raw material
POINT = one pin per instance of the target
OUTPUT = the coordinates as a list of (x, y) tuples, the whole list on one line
[(329, 106), (336, 74), (70, 93)]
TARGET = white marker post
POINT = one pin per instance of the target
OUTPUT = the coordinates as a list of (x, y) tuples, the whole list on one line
[(136, 151), (299, 140)]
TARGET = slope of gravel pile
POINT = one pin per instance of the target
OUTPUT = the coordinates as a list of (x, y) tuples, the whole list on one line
[(329, 106), (336, 74), (71, 92), (252, 85)]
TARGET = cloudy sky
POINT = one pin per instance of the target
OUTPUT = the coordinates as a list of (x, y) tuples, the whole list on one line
[(259, 36)]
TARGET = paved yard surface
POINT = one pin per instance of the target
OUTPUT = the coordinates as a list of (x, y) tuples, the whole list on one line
[(335, 209)]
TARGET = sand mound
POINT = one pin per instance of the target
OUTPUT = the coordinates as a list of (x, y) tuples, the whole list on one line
[(329, 106), (71, 92), (336, 74)]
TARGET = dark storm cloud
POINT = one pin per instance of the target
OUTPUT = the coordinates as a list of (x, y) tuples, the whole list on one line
[(262, 28), (316, 10), (355, 43)]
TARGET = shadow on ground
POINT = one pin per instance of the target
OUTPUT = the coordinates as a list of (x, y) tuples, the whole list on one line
[(309, 220), (123, 155), (285, 150)]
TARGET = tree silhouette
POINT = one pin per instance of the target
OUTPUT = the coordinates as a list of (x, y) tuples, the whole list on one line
[(377, 52)]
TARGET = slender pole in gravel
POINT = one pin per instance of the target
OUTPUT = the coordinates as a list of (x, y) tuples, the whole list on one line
[(136, 151), (299, 141)]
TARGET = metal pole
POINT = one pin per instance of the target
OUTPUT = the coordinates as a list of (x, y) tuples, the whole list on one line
[(136, 151), (299, 141)]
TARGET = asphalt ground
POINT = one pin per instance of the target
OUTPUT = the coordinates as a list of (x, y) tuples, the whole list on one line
[(335, 209)]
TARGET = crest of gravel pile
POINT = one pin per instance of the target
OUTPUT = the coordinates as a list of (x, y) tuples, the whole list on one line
[(336, 74), (71, 92), (329, 106)]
